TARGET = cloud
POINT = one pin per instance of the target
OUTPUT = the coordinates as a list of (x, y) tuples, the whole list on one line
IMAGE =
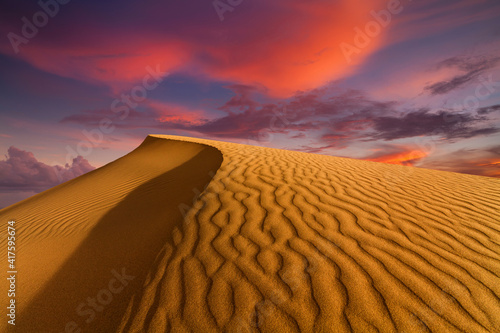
[(335, 117), (150, 114), (473, 68), (397, 154), (338, 140), (446, 124), (22, 171), (488, 109), (482, 162), (313, 150), (294, 46), (12, 197), (244, 116), (330, 113), (242, 99)]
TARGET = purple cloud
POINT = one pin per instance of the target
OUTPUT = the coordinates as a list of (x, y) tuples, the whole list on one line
[(472, 67), (22, 171), (336, 118), (447, 124), (488, 109)]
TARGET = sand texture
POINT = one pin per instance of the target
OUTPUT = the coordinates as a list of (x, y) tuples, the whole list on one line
[(221, 237)]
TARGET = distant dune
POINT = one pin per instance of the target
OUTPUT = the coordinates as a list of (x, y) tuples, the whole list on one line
[(192, 235)]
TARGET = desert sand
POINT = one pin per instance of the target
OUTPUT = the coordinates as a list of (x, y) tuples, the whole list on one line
[(192, 235)]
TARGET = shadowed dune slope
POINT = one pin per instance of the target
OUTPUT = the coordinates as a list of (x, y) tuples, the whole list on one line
[(278, 241), (118, 217)]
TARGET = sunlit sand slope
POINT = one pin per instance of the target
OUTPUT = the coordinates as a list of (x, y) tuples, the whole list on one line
[(278, 241)]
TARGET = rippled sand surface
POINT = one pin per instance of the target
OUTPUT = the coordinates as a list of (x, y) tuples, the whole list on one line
[(214, 236)]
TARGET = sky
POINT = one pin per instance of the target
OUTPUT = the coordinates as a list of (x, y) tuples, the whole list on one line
[(409, 82)]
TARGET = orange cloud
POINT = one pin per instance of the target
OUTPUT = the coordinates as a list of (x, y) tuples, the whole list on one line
[(298, 48), (399, 155), (491, 167), (116, 65), (291, 45)]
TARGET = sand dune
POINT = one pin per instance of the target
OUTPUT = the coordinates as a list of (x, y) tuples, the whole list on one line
[(195, 235)]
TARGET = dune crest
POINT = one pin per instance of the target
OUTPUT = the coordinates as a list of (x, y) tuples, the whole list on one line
[(98, 235), (277, 241)]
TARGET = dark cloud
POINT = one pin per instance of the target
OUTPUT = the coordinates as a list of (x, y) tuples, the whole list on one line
[(348, 113), (242, 125), (22, 171), (469, 64), (488, 109), (473, 68), (446, 124), (444, 87), (335, 118)]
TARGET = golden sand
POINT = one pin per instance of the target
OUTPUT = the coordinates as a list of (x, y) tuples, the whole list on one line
[(214, 236)]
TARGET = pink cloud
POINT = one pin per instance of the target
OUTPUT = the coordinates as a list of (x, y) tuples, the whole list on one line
[(177, 114)]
